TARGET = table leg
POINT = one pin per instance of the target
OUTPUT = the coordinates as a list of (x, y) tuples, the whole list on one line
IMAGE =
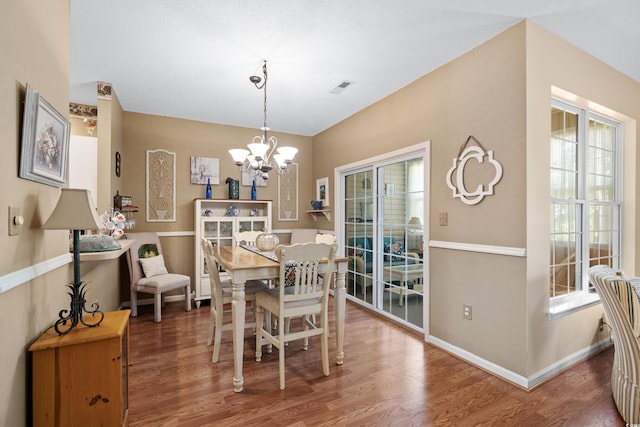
[(339, 299), (238, 308)]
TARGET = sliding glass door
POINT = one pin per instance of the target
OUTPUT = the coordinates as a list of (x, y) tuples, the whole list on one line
[(384, 205)]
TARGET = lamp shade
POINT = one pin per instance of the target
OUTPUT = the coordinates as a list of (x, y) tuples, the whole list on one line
[(239, 155), (288, 153), (415, 223), (74, 211), (258, 149)]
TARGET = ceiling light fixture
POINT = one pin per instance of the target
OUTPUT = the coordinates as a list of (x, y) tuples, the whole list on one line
[(260, 157)]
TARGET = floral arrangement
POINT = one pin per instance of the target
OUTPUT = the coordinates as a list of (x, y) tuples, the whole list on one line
[(48, 146), (114, 223)]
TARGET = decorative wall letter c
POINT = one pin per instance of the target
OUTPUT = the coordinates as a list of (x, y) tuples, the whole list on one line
[(456, 184)]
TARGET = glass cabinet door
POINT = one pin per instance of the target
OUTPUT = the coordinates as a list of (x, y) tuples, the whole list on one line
[(252, 225), (219, 232)]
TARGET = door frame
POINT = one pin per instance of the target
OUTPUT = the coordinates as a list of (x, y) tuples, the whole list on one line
[(421, 149)]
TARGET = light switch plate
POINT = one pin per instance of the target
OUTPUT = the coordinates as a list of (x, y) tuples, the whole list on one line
[(444, 219)]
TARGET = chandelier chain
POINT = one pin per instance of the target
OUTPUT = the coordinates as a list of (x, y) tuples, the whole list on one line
[(264, 71)]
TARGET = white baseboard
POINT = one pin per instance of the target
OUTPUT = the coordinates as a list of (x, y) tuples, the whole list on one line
[(525, 382)]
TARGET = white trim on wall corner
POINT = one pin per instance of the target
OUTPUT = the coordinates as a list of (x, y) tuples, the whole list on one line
[(175, 233), (472, 247), (478, 361), (17, 278), (532, 381)]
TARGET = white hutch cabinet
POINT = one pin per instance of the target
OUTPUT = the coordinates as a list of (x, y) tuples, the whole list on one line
[(217, 221)]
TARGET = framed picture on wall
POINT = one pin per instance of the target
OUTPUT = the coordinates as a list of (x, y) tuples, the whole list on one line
[(322, 190), (203, 168), (44, 155)]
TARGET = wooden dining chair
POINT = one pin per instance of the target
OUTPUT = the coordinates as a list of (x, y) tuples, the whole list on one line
[(245, 237), (221, 294), (306, 271)]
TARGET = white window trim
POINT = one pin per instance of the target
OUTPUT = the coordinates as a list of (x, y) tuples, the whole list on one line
[(566, 304)]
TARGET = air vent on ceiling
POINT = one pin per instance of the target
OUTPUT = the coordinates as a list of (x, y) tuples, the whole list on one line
[(342, 86)]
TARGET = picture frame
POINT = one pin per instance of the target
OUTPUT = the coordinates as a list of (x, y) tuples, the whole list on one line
[(44, 153), (203, 168), (322, 190)]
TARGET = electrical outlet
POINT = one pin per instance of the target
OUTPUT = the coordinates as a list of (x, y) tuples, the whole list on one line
[(601, 324), (466, 311)]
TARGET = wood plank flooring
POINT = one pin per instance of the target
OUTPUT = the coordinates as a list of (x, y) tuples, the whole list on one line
[(390, 378)]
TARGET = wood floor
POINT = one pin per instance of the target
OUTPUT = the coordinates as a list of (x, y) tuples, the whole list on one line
[(390, 378)]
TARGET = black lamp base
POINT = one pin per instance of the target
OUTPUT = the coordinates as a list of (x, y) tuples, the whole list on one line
[(69, 319)]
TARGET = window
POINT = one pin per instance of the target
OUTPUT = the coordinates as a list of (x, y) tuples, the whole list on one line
[(586, 196)]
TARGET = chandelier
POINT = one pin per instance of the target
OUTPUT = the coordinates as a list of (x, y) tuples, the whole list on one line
[(263, 154)]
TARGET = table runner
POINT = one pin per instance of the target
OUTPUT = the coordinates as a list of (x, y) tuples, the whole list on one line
[(267, 254)]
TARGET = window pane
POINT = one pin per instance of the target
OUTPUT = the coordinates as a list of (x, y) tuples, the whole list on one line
[(601, 135), (563, 184)]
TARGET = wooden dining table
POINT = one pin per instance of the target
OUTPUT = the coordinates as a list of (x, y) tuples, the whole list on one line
[(242, 265)]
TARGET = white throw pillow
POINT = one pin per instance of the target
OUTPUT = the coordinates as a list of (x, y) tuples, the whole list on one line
[(153, 266)]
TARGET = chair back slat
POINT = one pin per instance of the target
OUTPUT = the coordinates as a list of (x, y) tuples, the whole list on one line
[(213, 270), (306, 270)]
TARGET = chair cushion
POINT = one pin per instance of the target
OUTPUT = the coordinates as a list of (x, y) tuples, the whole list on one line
[(391, 248), (163, 282), (153, 266), (272, 296), (251, 287)]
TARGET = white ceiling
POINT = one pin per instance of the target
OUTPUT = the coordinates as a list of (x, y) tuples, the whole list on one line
[(192, 58)]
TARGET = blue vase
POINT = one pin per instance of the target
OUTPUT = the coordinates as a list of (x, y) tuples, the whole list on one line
[(253, 190), (208, 190)]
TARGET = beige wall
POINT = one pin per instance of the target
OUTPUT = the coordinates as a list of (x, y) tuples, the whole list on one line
[(186, 138), (38, 55), (481, 93), (500, 93), (553, 62)]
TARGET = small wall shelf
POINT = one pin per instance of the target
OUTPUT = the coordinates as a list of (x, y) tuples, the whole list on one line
[(102, 256), (314, 214)]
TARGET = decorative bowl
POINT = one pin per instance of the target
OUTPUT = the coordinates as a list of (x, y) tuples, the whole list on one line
[(267, 242)]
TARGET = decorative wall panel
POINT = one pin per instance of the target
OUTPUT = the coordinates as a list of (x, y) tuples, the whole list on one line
[(161, 186), (288, 194)]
